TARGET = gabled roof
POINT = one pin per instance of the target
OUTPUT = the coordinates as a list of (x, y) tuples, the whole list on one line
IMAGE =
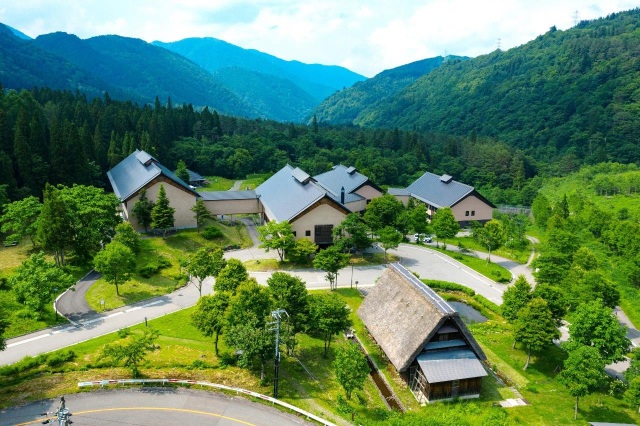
[(248, 194), (403, 314), (289, 192), (194, 176), (138, 169), (439, 191), (343, 177)]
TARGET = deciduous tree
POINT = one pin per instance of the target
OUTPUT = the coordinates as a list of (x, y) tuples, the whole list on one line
[(37, 281), (328, 316), (351, 368), (515, 298), (593, 324), (383, 211), (352, 234), (116, 263), (290, 293), (205, 263), (331, 260), (535, 327), (276, 236), (210, 315), (389, 238), (231, 276), (444, 225), (128, 236), (491, 235), (133, 352), (302, 251), (583, 373), (20, 218)]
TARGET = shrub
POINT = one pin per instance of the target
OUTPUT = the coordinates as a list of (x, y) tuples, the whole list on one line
[(448, 286), (211, 232), (60, 358), (153, 267), (227, 359), (123, 332), (488, 304)]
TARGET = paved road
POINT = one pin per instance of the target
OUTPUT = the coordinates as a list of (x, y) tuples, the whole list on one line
[(154, 406), (72, 304), (427, 263)]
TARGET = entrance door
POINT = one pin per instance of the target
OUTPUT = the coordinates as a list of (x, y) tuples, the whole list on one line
[(322, 235)]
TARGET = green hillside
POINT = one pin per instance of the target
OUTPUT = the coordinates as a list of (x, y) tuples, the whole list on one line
[(567, 94), (346, 106)]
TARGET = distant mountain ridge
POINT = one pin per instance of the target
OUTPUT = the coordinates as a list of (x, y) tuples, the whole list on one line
[(352, 104), (213, 54), (245, 83)]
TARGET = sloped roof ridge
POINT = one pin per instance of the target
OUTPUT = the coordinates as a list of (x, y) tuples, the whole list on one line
[(431, 295)]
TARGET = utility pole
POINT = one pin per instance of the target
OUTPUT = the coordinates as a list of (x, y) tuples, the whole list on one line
[(277, 315), (576, 18)]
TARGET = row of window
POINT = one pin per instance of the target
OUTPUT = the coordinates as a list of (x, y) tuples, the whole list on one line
[(473, 213)]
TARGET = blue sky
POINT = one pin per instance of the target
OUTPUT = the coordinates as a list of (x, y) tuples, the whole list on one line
[(364, 36)]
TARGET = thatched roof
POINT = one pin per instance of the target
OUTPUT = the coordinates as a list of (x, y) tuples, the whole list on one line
[(403, 314)]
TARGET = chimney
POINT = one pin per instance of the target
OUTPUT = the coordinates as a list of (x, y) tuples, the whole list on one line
[(342, 195)]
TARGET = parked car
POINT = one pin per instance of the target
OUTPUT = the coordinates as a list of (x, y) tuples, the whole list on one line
[(422, 238)]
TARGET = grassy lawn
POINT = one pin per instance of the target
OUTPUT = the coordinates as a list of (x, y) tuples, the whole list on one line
[(307, 380), (266, 265), (520, 256), (174, 248), (490, 270), (217, 183)]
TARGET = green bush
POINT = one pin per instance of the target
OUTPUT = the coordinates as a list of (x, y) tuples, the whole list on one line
[(123, 332), (211, 232), (448, 286), (488, 304), (152, 268), (60, 358)]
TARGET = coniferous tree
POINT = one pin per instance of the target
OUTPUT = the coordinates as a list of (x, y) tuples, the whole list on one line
[(54, 224), (162, 213), (142, 210)]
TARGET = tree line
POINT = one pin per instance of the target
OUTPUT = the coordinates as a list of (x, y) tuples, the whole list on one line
[(58, 137)]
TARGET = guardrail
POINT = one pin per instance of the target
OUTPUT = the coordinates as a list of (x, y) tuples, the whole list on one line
[(123, 382)]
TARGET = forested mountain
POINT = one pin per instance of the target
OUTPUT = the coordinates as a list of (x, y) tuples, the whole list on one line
[(64, 138), (346, 106), (212, 54), (570, 95), (25, 65), (143, 71), (271, 96)]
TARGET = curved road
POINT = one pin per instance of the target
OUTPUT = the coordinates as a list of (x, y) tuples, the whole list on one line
[(427, 263), (154, 406)]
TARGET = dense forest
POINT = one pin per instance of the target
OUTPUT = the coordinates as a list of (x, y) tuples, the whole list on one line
[(63, 138), (569, 96)]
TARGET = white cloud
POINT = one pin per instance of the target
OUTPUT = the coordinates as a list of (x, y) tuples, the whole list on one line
[(367, 38)]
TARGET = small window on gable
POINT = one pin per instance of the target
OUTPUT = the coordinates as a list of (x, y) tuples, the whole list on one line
[(466, 213), (307, 233), (294, 233), (473, 212)]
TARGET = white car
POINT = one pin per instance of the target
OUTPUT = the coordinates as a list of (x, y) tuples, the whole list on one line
[(422, 238)]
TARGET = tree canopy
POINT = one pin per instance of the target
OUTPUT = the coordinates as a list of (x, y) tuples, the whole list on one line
[(276, 236)]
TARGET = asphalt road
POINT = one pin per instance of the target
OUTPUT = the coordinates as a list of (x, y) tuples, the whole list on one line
[(154, 406), (427, 263)]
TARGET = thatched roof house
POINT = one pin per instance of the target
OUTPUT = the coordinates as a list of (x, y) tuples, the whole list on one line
[(423, 337)]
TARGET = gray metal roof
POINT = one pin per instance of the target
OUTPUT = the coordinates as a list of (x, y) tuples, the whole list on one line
[(287, 193), (135, 171), (340, 176), (431, 189), (194, 176), (455, 364), (398, 191), (228, 195)]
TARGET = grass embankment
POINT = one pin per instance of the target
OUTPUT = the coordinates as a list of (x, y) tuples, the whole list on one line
[(23, 320), (307, 380), (267, 265), (172, 250), (217, 183), (488, 269), (518, 255)]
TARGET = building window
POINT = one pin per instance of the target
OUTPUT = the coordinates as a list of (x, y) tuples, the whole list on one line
[(294, 233), (473, 212), (466, 213), (307, 233)]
